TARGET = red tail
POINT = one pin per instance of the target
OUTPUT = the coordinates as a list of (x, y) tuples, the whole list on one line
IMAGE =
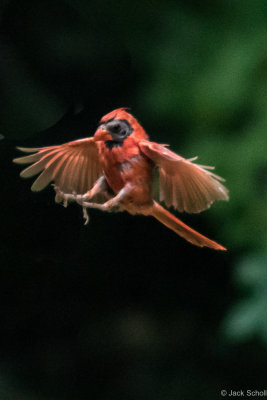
[(169, 220)]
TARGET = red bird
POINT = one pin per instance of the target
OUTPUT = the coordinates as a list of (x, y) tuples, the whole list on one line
[(117, 165)]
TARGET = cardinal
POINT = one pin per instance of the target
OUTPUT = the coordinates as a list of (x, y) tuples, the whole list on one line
[(116, 169)]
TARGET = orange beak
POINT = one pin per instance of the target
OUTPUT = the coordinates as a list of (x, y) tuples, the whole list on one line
[(102, 135)]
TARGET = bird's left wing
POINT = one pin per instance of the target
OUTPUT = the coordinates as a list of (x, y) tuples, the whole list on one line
[(73, 166), (186, 186)]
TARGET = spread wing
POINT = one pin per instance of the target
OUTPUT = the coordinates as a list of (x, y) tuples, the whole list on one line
[(186, 186), (73, 166)]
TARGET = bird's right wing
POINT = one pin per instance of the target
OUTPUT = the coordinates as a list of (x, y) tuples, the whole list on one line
[(73, 166)]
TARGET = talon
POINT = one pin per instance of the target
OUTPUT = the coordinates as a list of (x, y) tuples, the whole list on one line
[(59, 195), (58, 198), (85, 216), (56, 188)]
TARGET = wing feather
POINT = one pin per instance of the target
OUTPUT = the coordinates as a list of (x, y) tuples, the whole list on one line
[(38, 166), (73, 166), (184, 185)]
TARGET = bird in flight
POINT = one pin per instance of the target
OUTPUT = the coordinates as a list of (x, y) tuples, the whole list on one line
[(116, 168)]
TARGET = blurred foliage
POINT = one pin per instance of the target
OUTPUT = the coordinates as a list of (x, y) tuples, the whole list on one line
[(150, 317), (248, 317)]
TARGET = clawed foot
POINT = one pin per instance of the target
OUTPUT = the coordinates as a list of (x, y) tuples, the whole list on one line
[(66, 197), (85, 216), (110, 205)]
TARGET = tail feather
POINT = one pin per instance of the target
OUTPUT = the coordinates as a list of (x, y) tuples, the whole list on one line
[(192, 236)]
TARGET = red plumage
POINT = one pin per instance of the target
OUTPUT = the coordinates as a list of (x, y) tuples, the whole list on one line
[(116, 166)]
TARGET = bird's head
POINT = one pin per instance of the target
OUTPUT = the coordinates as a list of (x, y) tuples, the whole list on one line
[(118, 125)]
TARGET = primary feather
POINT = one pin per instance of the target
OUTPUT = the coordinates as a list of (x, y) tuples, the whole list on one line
[(73, 166)]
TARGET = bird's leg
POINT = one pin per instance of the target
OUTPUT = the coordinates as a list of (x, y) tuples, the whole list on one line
[(99, 186), (115, 201), (110, 204)]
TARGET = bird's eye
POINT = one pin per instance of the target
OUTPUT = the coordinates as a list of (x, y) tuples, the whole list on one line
[(119, 129), (115, 128)]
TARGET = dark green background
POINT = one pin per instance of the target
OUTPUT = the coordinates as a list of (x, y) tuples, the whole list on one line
[(123, 308)]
